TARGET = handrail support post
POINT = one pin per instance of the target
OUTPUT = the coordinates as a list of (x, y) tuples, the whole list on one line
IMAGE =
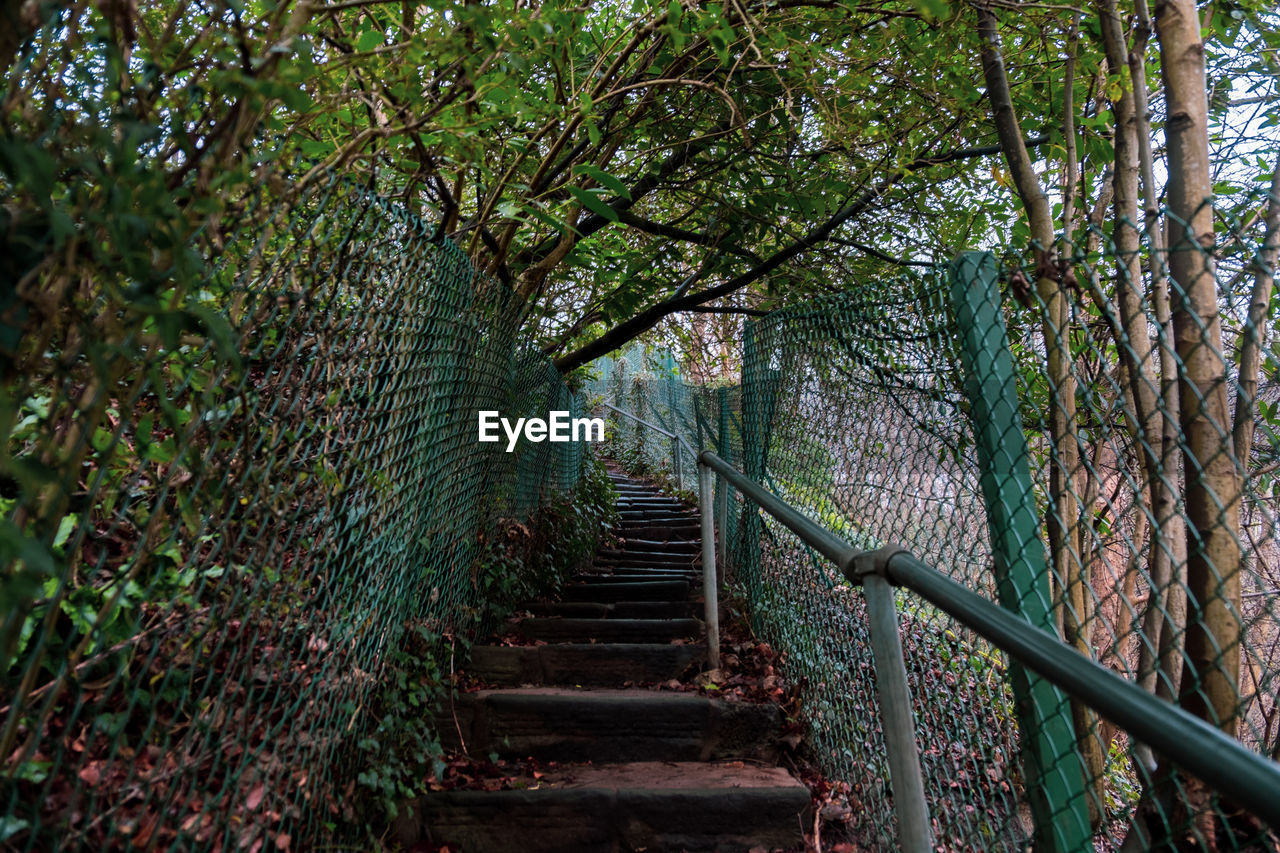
[(710, 589), (897, 718)]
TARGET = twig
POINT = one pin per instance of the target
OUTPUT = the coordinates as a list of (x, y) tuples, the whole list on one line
[(453, 708)]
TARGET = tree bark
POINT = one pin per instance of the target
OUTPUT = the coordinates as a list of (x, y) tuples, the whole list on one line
[(1160, 659), (1211, 675), (1066, 563), (1253, 337)]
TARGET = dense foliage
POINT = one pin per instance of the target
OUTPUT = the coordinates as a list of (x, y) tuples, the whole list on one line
[(526, 559)]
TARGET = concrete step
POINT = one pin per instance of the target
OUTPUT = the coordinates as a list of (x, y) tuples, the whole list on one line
[(590, 665), (610, 592), (656, 610), (608, 726), (657, 518), (575, 609), (609, 630), (656, 509), (652, 496), (652, 806)]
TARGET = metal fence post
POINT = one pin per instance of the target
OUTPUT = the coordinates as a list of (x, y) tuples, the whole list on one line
[(897, 717), (1054, 770), (710, 589)]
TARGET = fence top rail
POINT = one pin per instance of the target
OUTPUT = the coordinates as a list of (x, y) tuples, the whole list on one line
[(1250, 779)]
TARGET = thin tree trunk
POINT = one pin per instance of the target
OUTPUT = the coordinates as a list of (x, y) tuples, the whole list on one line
[(1159, 669), (1135, 350), (1253, 337), (1066, 565), (1212, 672)]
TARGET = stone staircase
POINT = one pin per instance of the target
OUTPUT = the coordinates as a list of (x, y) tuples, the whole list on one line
[(626, 767)]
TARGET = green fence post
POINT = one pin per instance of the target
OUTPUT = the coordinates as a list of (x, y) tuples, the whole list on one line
[(1052, 765)]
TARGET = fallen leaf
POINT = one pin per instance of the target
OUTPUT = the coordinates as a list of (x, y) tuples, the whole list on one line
[(90, 774), (255, 797)]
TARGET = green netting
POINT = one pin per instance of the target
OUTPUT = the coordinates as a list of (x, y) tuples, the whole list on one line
[(890, 415), (225, 504)]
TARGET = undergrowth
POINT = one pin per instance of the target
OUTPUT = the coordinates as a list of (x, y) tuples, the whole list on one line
[(520, 559)]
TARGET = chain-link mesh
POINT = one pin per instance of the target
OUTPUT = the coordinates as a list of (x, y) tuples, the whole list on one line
[(917, 412), (224, 506)]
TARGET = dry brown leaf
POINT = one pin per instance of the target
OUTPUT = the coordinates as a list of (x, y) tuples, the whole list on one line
[(255, 797)]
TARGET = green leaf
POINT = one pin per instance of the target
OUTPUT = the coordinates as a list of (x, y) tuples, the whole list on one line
[(600, 176), (371, 40), (932, 10), (594, 203)]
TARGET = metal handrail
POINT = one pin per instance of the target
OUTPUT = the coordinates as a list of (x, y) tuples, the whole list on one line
[(677, 441), (897, 720), (1247, 777)]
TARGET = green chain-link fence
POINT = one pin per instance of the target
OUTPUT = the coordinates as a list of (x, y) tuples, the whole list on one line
[(227, 501), (878, 413)]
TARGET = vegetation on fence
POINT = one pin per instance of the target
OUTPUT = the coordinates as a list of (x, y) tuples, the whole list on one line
[(527, 559), (253, 255), (519, 560)]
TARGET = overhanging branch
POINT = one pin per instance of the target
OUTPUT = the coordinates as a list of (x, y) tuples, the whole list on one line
[(629, 329)]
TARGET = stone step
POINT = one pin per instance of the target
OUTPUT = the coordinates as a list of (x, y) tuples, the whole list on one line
[(652, 806), (590, 665), (681, 562), (608, 726), (614, 610), (609, 592), (609, 630), (691, 546), (653, 503), (635, 575), (656, 518), (646, 530)]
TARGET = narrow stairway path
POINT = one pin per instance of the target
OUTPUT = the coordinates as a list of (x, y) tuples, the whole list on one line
[(625, 767)]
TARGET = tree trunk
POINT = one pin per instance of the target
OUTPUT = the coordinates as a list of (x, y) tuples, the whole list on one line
[(1066, 564), (1160, 659), (1253, 337), (1210, 680)]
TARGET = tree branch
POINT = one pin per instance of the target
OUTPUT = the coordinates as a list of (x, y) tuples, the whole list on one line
[(711, 309), (876, 253), (629, 329)]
